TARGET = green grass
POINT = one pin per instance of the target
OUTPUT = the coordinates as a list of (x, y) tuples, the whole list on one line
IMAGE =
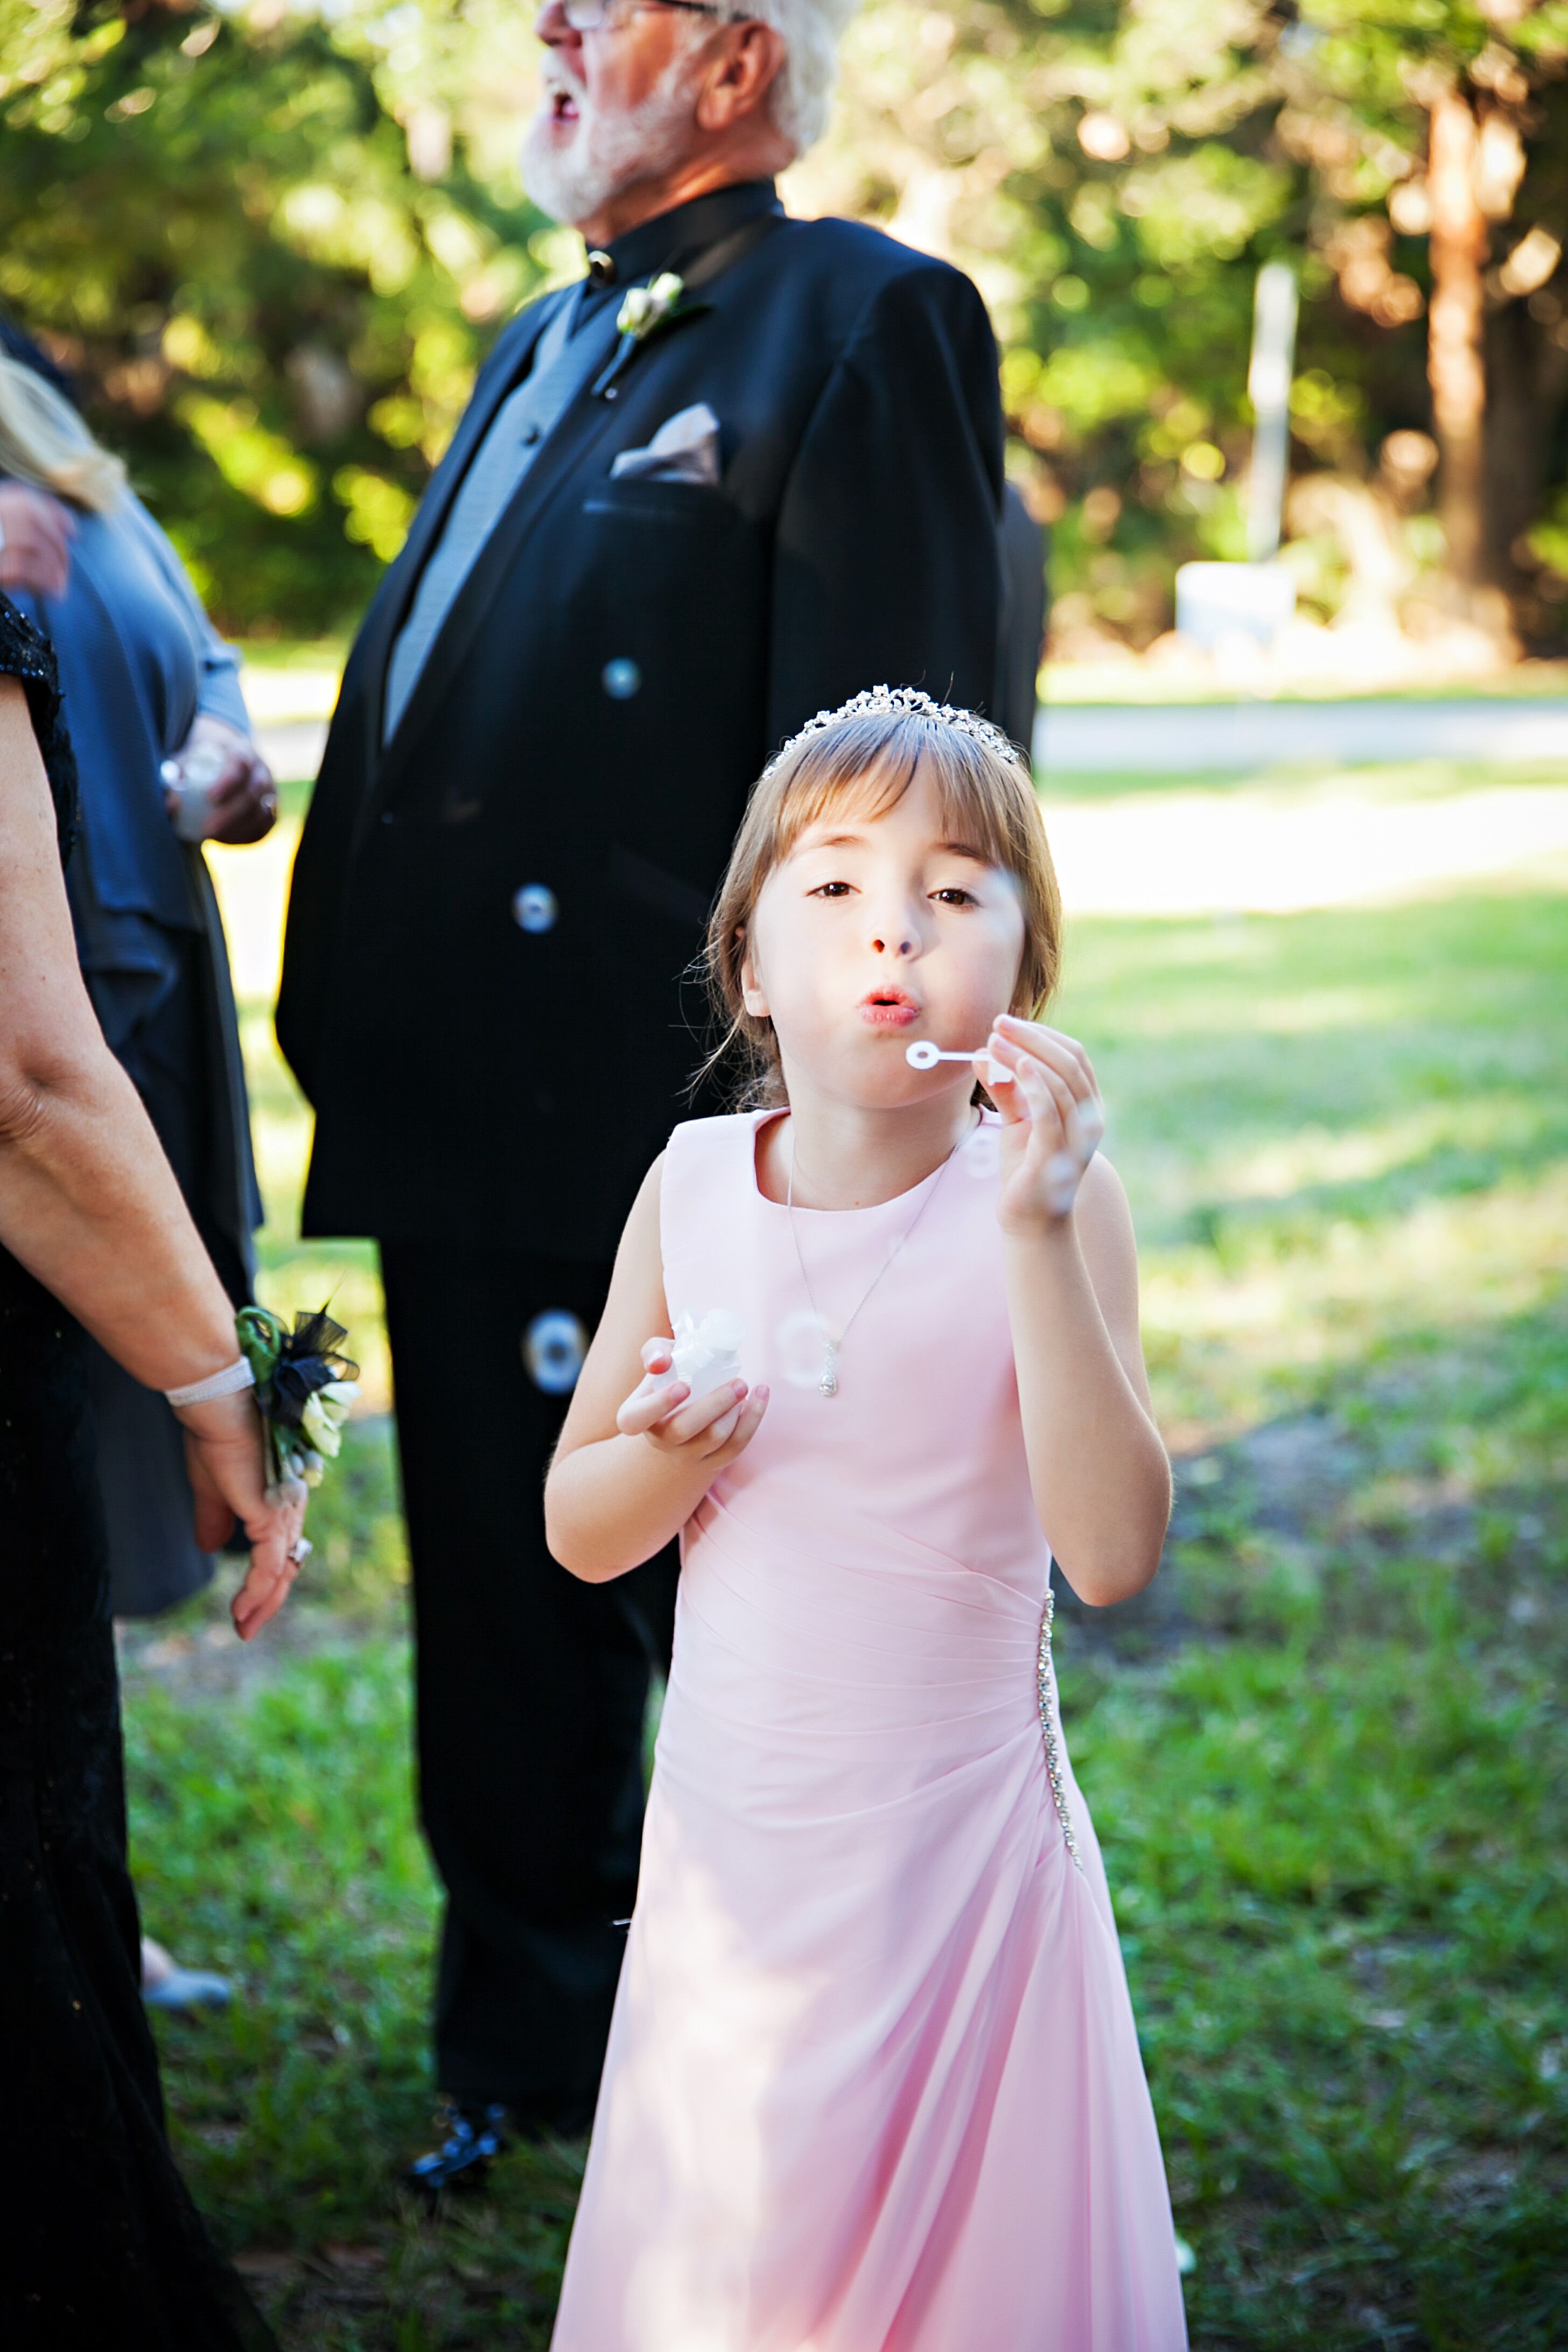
[(1325, 1753)]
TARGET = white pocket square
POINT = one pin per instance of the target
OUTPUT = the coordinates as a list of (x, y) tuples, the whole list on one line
[(684, 449)]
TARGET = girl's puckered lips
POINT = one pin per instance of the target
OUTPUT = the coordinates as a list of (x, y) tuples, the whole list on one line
[(888, 1008)]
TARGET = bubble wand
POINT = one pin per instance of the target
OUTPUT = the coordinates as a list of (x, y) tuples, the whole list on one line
[(1064, 1170)]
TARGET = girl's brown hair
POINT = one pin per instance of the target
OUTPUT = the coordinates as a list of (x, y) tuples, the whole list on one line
[(868, 753)]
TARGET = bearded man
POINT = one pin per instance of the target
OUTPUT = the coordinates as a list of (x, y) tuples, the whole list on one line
[(744, 467)]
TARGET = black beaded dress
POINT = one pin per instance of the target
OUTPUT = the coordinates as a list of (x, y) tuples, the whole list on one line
[(100, 2243)]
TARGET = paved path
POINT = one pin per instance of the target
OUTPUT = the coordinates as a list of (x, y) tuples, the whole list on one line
[(1197, 739), (1279, 849), (1270, 848), (293, 747), (1206, 738)]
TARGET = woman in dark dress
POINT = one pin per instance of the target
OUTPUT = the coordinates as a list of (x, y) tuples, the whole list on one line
[(100, 2243), (143, 678)]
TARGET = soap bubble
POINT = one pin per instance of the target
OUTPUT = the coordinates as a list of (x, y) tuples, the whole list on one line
[(553, 1346), (802, 1343), (1062, 1171), (533, 908), (982, 1155)]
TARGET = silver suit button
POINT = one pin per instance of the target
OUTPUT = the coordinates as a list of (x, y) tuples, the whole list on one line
[(533, 908), (620, 679)]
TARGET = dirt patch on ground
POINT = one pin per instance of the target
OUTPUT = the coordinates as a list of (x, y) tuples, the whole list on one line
[(1286, 1499), (1304, 1498), (196, 1653)]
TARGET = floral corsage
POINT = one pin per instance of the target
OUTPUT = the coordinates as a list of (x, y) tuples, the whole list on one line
[(304, 1388)]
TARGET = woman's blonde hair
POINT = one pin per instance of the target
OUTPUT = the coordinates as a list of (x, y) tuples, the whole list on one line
[(43, 441), (868, 753)]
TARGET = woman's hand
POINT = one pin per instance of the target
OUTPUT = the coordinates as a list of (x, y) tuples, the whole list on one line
[(713, 1428), (1051, 1119), (36, 530), (227, 1471), (242, 799)]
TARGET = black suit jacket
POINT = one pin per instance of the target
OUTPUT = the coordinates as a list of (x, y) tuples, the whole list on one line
[(473, 1077)]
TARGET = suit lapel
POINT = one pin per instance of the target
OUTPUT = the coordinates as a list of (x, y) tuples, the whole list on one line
[(585, 423), (386, 616)]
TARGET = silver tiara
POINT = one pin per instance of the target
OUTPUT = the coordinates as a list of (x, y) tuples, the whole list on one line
[(902, 702)]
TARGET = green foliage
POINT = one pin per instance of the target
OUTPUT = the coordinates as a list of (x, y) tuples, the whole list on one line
[(213, 221), (216, 220), (1114, 175)]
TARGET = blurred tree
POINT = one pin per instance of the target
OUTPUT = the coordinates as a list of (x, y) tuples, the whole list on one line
[(1114, 174), (274, 242), (271, 247), (1463, 105), (1105, 173)]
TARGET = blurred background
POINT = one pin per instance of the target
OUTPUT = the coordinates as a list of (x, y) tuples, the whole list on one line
[(1317, 873), (272, 242)]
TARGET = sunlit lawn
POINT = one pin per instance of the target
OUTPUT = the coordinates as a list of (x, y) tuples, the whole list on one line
[(1326, 1755)]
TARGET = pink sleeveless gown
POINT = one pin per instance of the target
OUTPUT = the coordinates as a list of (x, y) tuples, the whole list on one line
[(873, 2081)]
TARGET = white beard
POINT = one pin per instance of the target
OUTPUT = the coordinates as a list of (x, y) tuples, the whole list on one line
[(608, 152)]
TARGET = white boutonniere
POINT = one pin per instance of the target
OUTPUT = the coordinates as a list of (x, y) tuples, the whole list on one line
[(646, 312), (647, 308)]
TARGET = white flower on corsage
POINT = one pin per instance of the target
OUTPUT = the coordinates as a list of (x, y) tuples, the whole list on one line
[(648, 307), (707, 1350), (324, 1413)]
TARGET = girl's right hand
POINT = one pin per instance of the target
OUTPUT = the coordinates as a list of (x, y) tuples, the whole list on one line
[(713, 1428)]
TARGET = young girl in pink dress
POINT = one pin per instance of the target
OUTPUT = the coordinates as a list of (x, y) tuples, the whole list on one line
[(873, 2082)]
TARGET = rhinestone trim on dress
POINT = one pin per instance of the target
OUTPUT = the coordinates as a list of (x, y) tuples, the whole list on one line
[(1045, 1681)]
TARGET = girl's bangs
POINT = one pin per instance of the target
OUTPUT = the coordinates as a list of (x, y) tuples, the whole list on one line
[(867, 779)]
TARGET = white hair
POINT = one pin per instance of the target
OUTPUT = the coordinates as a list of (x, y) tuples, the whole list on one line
[(810, 31), (614, 149)]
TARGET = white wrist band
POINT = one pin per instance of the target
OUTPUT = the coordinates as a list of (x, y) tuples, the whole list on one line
[(233, 1378)]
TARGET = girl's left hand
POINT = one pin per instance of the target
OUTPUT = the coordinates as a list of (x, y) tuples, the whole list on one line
[(1051, 1119)]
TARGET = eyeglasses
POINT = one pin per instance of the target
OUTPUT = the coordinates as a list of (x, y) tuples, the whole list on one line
[(592, 16)]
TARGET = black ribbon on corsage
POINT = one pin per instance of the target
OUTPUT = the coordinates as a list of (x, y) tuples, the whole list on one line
[(304, 1387)]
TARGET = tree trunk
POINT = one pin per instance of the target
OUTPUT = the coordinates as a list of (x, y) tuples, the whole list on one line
[(1454, 364)]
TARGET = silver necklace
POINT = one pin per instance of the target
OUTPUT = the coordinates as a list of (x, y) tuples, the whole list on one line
[(827, 1383)]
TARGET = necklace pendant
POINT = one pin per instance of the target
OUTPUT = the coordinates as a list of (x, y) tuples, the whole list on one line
[(828, 1384)]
